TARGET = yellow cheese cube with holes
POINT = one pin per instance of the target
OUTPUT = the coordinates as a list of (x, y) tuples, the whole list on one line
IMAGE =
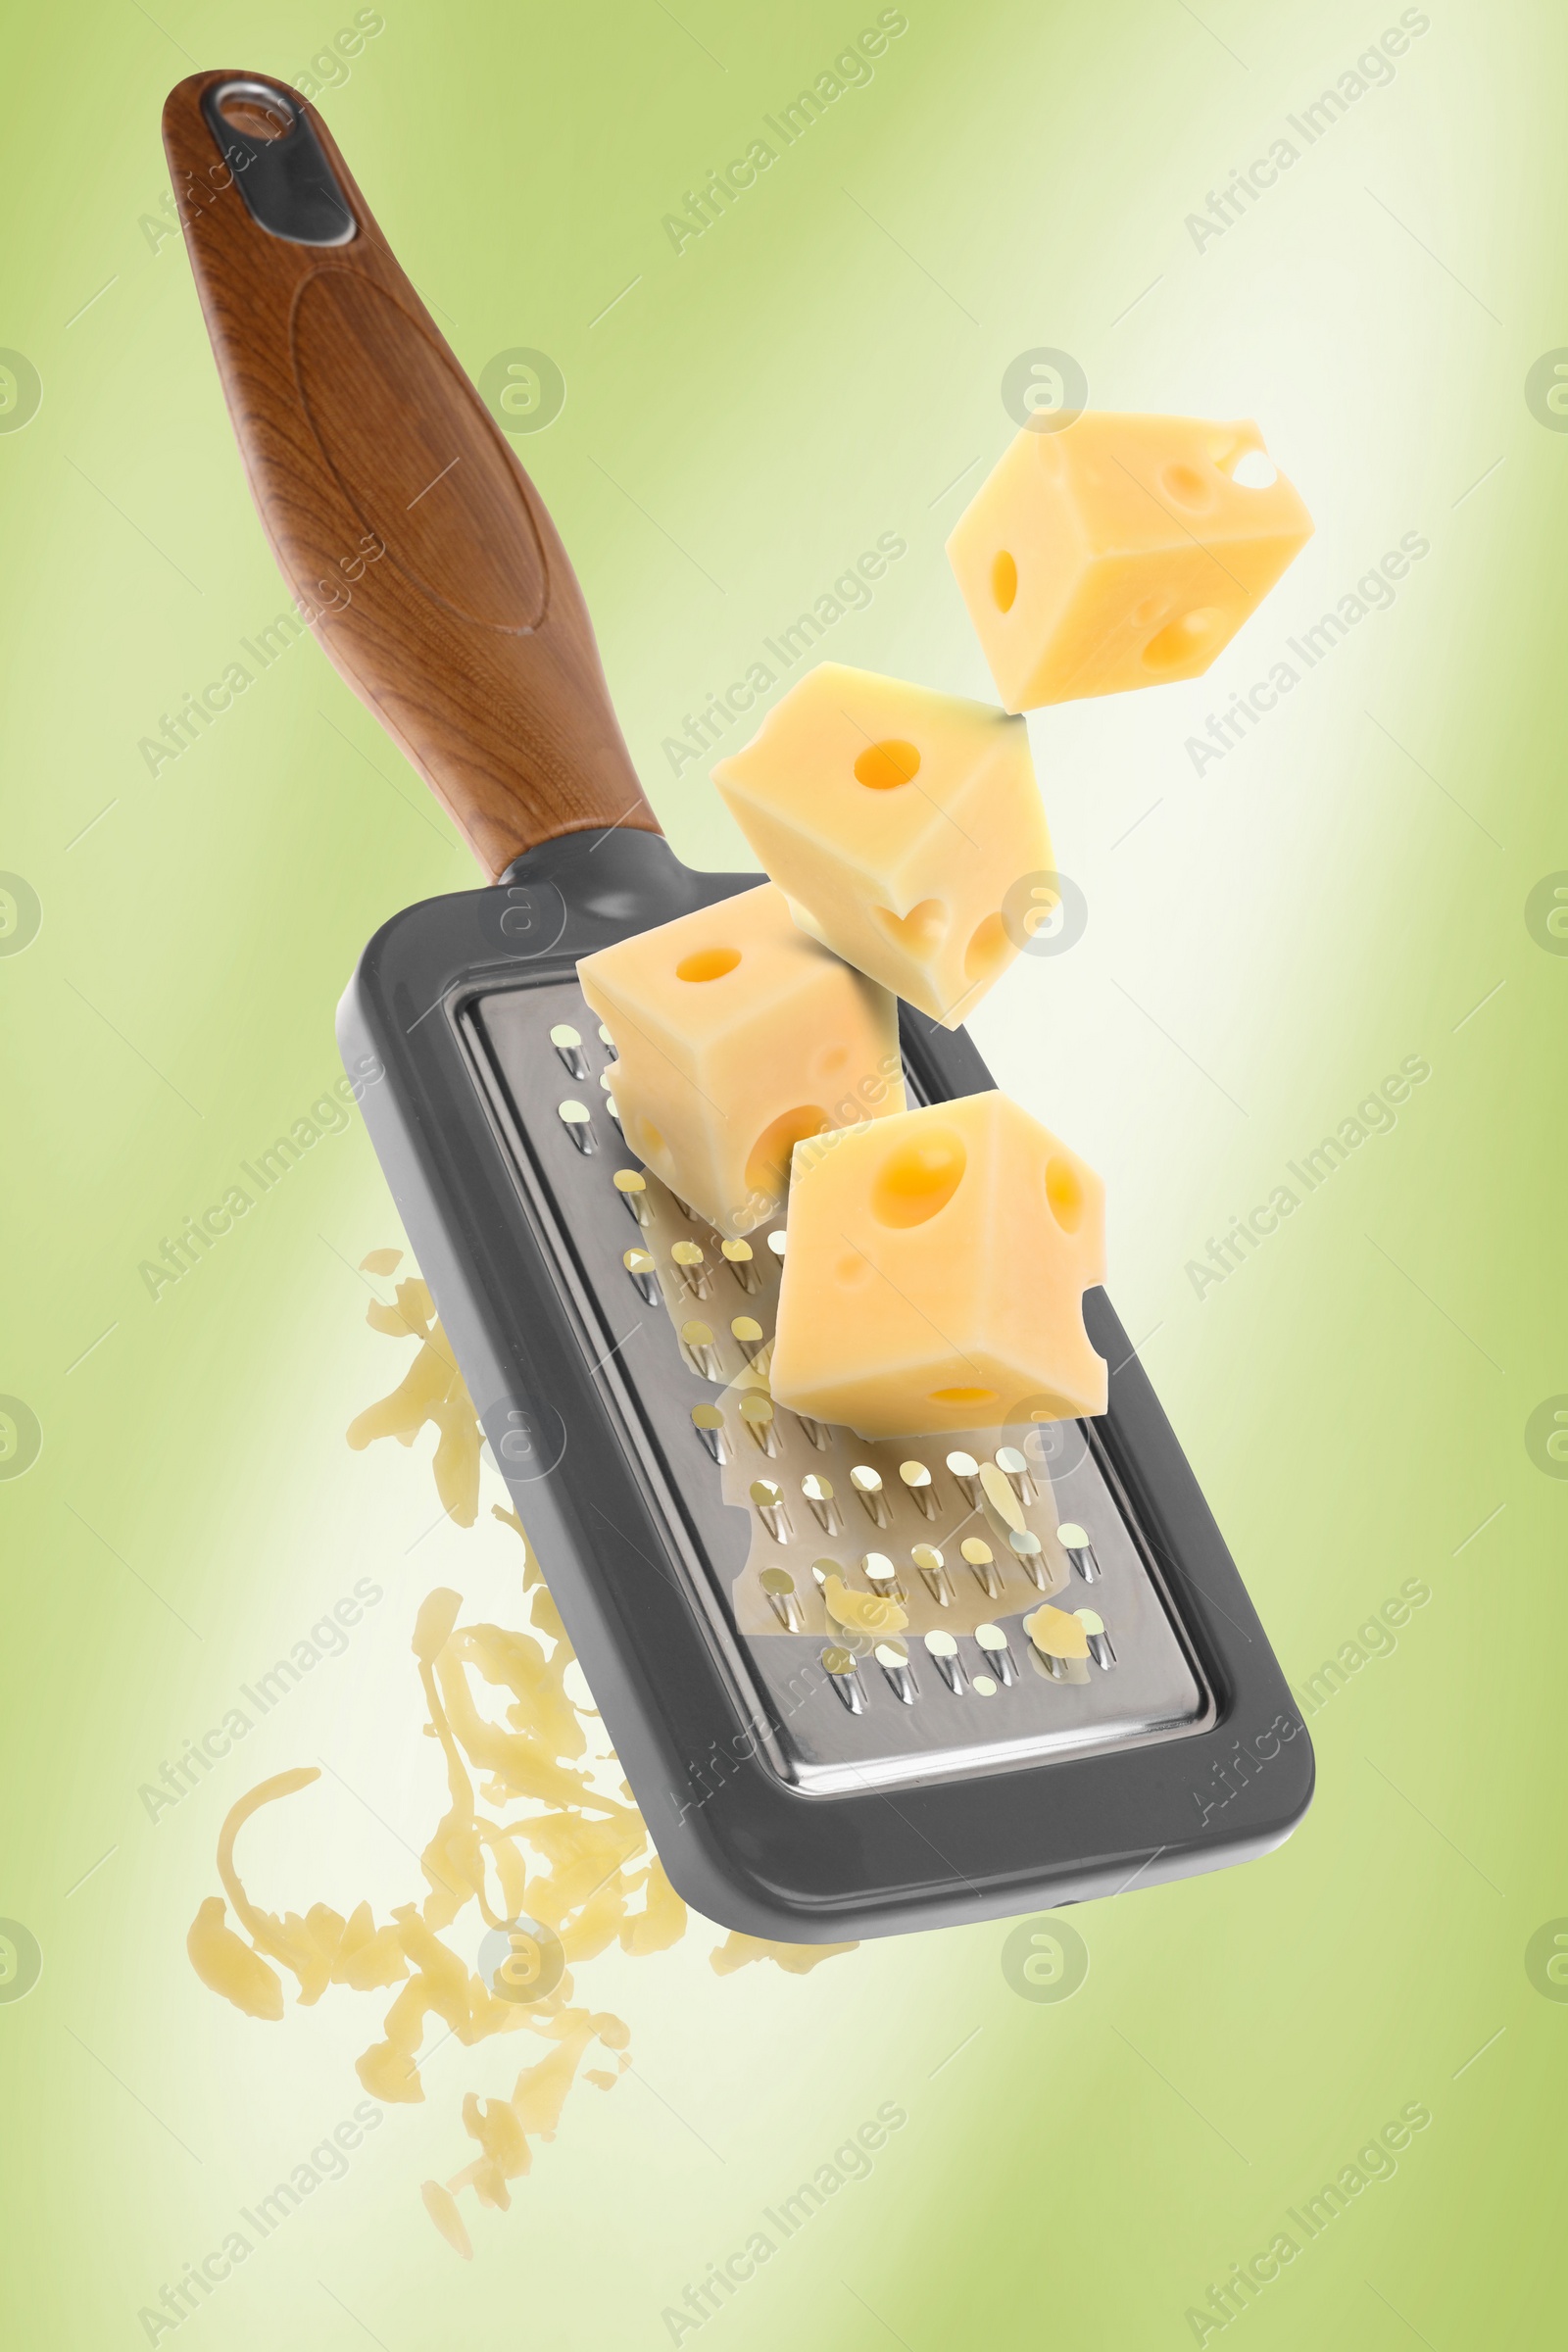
[(899, 821), (1122, 550), (934, 1274), (735, 1036)]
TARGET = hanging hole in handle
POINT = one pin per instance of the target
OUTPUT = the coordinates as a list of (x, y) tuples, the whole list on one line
[(265, 137), (257, 112)]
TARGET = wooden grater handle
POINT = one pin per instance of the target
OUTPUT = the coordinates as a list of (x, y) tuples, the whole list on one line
[(417, 547)]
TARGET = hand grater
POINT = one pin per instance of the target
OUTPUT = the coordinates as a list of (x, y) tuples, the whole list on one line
[(812, 1651)]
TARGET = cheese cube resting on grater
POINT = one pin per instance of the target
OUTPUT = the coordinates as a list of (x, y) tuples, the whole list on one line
[(735, 1036), (898, 820), (934, 1274), (1122, 550)]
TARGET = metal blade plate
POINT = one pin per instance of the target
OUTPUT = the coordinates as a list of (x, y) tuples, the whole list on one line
[(857, 1699)]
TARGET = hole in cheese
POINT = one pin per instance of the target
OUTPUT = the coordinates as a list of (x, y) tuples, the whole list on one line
[(962, 1396), (1003, 581), (1252, 470), (1185, 487), (1188, 639), (707, 964), (651, 1142), (1064, 1194), (988, 950), (884, 767), (916, 1181), (919, 932), (767, 1170)]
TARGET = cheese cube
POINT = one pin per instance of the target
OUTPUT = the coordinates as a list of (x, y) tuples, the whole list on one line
[(897, 821), (735, 1036), (1123, 551), (934, 1274)]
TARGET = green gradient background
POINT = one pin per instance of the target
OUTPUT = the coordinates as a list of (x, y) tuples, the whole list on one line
[(1341, 891)]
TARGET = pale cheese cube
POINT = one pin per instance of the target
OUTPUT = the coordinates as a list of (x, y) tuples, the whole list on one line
[(1123, 551), (898, 821), (934, 1274), (735, 1037)]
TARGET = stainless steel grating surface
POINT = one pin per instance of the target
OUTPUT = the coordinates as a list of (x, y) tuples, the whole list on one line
[(865, 1647)]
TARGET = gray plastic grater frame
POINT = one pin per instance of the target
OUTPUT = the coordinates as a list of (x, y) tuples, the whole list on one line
[(771, 1809)]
